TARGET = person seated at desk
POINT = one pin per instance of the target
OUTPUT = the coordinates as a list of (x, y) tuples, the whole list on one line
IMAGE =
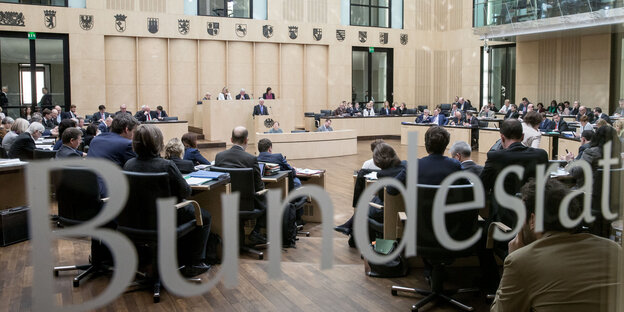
[(586, 138), (599, 115), (530, 130), (269, 95), (386, 110), (147, 114), (369, 111), (65, 124), (115, 145), (90, 133), (505, 108), (353, 109), (401, 110), (492, 107), (5, 126), (24, 144), (512, 113), (424, 118), (438, 118), (47, 122), (545, 124), (619, 128), (224, 95), (463, 105), (276, 128), (70, 114), (236, 157), (558, 124), (242, 95), (148, 144), (370, 164), (560, 268), (619, 112), (540, 108), (260, 109), (461, 151), (123, 109), (100, 115), (71, 139), (190, 150), (585, 125), (583, 112), (160, 113), (454, 109), (326, 127), (342, 109), (265, 147), (105, 126), (553, 107), (207, 96), (173, 151), (486, 112), (19, 126), (595, 152), (456, 120)]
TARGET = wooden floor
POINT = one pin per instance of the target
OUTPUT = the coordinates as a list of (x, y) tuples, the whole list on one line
[(304, 287)]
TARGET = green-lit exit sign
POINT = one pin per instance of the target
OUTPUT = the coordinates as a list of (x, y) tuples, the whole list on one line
[(32, 35), (371, 50)]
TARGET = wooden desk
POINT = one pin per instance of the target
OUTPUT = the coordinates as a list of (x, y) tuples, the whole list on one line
[(572, 145), (209, 198), (312, 144), (366, 126), (487, 138), (392, 206), (13, 191), (277, 182), (171, 129), (311, 211)]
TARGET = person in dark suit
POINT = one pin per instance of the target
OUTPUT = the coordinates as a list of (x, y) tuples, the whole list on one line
[(71, 140), (260, 109), (4, 99), (191, 152), (432, 169), (512, 113), (463, 105), (558, 124), (47, 119), (173, 151), (70, 114), (116, 145), (401, 110), (89, 134), (106, 125), (438, 118), (545, 124), (148, 144), (160, 113), (265, 147), (461, 151), (513, 153), (147, 114), (236, 157), (472, 122), (46, 99), (586, 138), (242, 95), (268, 95), (24, 144), (123, 109), (424, 118), (456, 120), (65, 124), (100, 115), (386, 110), (583, 112), (599, 115)]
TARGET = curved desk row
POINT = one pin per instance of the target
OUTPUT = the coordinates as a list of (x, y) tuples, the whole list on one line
[(365, 126), (313, 144)]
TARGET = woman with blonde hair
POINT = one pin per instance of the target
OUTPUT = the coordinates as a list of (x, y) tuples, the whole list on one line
[(224, 95), (173, 152)]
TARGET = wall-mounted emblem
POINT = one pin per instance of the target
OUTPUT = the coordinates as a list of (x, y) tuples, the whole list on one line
[(403, 39), (293, 32), (383, 38), (363, 36), (184, 26), (12, 18), (267, 31), (120, 22), (152, 25), (340, 34), (213, 28), (49, 18), (86, 22), (268, 123), (241, 30), (317, 33)]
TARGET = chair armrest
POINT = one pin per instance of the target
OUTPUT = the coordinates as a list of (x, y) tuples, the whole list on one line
[(262, 192), (378, 206), (490, 238), (198, 214)]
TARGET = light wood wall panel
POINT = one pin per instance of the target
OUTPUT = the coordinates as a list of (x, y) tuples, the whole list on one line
[(455, 73), (570, 68), (547, 71), (405, 77), (339, 76), (88, 72), (267, 68), (120, 4), (317, 11), (153, 6), (183, 78), (292, 78), (424, 15), (240, 67), (293, 10), (423, 78), (440, 15), (121, 73), (440, 77), (595, 71), (315, 82), (456, 14), (153, 72), (212, 67)]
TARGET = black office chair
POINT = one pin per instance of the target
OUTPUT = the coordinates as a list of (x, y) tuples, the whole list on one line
[(460, 225), (421, 108), (326, 112), (88, 117), (139, 220), (445, 109), (3, 153), (602, 226), (78, 197), (242, 181), (411, 111), (43, 154)]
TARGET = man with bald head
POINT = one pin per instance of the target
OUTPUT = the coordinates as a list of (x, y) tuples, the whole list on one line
[(260, 109), (236, 157), (123, 109), (583, 112)]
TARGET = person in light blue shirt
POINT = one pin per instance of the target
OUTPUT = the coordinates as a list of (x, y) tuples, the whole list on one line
[(276, 128)]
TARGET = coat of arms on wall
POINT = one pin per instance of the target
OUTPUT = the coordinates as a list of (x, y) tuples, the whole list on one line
[(383, 38), (86, 22), (403, 39), (241, 30), (213, 28), (293, 32), (267, 31), (340, 34), (363, 36), (12, 18), (120, 22), (49, 18), (317, 33), (184, 26), (152, 25)]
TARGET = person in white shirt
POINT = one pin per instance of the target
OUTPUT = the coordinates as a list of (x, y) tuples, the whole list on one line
[(224, 95), (370, 164), (530, 129), (505, 107), (369, 111)]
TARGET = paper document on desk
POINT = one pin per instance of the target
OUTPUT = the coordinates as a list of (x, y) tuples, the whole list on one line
[(308, 171), (196, 181), (11, 162), (371, 176), (201, 167)]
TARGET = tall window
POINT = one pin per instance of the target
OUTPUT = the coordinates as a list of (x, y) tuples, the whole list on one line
[(226, 8), (374, 13), (39, 2)]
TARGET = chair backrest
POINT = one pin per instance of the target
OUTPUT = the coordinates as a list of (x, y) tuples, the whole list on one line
[(242, 181), (308, 114), (77, 193), (88, 117), (422, 107), (174, 118), (3, 153), (460, 225), (43, 154), (326, 112), (411, 111), (143, 189)]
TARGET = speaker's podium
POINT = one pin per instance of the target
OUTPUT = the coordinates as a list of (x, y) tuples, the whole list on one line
[(263, 123)]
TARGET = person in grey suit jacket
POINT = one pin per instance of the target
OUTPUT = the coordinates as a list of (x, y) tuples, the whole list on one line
[(71, 140), (326, 127), (462, 152)]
